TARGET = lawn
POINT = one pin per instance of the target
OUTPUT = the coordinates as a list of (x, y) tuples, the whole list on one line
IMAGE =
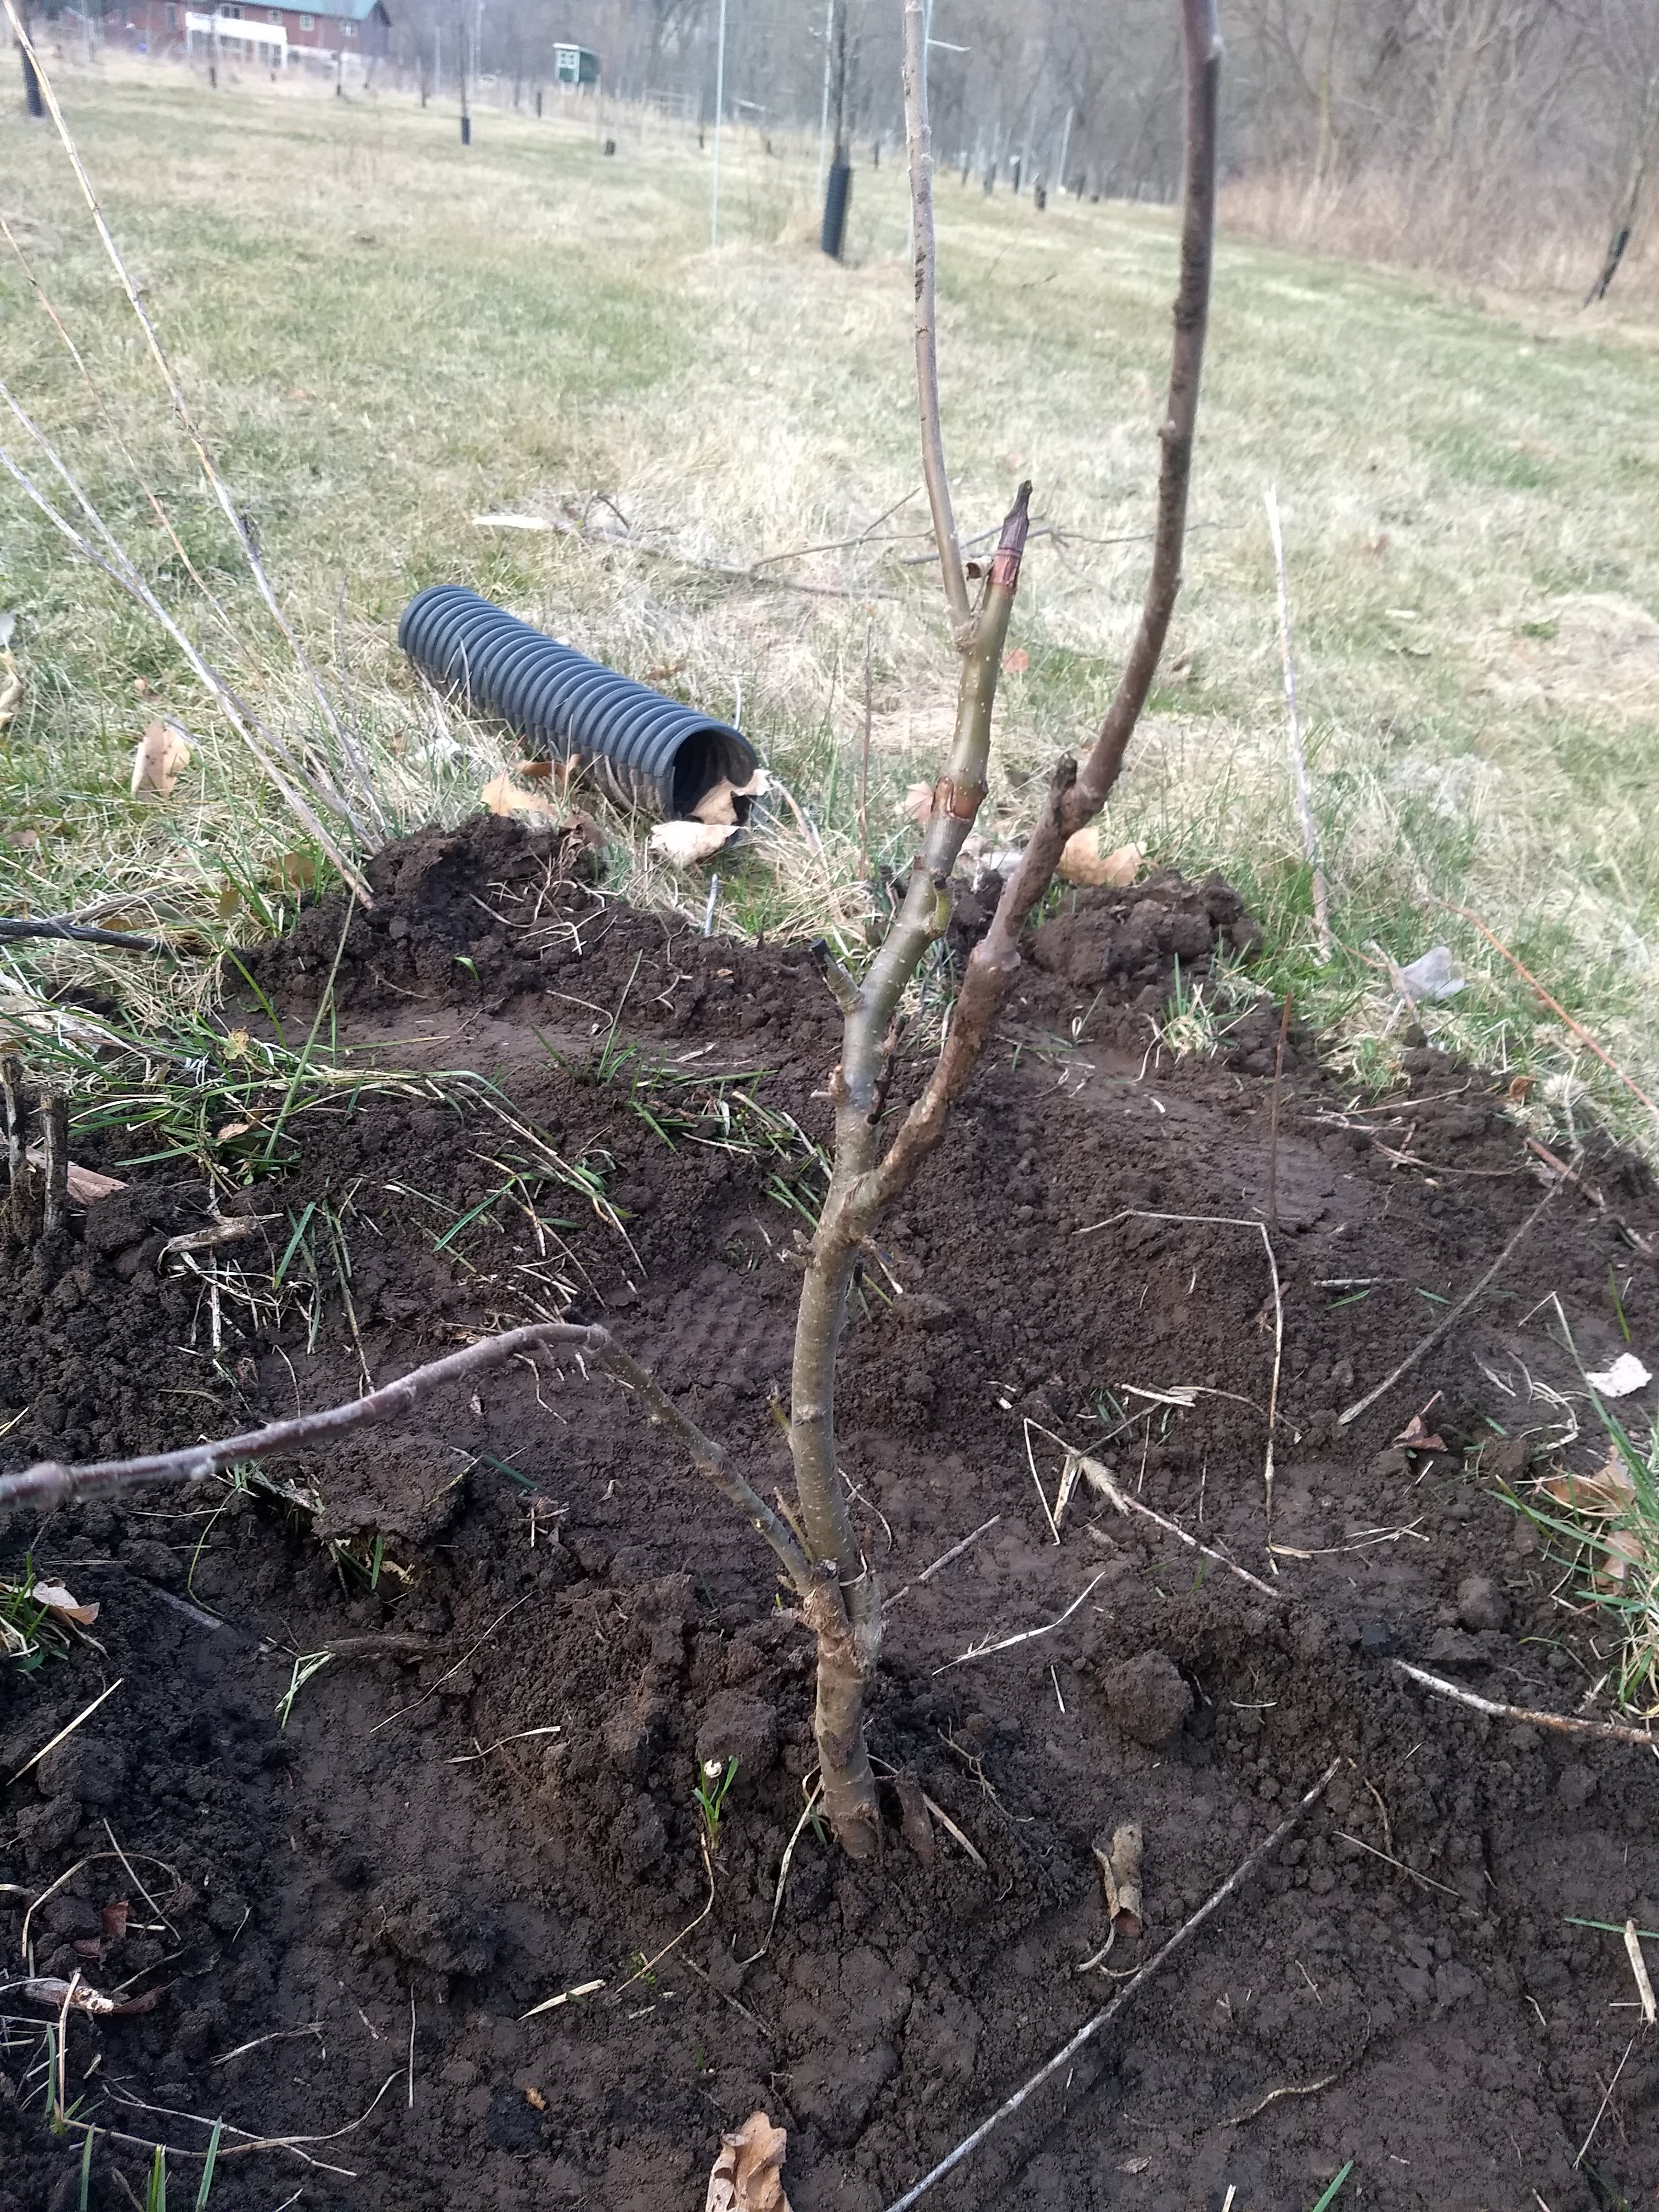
[(384, 336)]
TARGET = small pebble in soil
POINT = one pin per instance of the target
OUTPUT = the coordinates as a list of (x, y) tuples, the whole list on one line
[(1148, 1697)]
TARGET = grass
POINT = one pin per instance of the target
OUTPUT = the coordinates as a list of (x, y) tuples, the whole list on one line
[(1604, 1527), (385, 337)]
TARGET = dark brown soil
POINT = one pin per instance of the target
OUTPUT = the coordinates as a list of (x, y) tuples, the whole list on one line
[(406, 1859)]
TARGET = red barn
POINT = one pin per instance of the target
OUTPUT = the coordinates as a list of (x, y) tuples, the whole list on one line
[(245, 33)]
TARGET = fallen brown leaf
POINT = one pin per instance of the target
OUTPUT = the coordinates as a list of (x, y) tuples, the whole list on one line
[(297, 872), (1120, 1875), (533, 2098), (682, 844), (501, 795), (1018, 661), (919, 803), (11, 688), (748, 2175), (1082, 861), (1416, 1436), (159, 759), (85, 1185), (114, 1920), (57, 1599)]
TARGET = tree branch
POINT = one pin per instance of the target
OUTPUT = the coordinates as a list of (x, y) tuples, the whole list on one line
[(51, 1483), (1078, 792), (921, 218), (76, 932)]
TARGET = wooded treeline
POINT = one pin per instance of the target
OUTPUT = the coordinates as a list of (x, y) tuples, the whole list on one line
[(1504, 138)]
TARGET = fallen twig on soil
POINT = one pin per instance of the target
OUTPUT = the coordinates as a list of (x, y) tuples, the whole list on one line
[(68, 1729), (1426, 1881), (1443, 1327), (1026, 1635), (1606, 2099), (1612, 1731), (1260, 1228), (1092, 2027), (1291, 2089), (51, 1482)]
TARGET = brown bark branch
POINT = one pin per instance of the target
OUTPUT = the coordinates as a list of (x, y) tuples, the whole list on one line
[(1078, 792), (923, 245), (844, 1606), (59, 926), (54, 1122), (51, 1483)]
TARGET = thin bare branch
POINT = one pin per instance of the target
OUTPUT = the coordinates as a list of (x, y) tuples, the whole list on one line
[(50, 1482), (923, 245), (1078, 793), (1068, 2050), (1564, 1723), (59, 926), (1450, 1320)]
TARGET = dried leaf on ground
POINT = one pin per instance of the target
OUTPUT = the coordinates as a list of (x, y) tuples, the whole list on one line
[(159, 759), (1120, 1875), (1417, 1436), (1082, 861), (1623, 1379), (1017, 662), (112, 1919), (501, 795), (682, 844), (57, 1600), (748, 2175), (48, 1990), (1609, 1495), (86, 1186), (11, 688), (720, 802), (919, 803)]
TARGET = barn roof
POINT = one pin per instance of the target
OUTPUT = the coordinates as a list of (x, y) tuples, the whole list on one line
[(352, 11)]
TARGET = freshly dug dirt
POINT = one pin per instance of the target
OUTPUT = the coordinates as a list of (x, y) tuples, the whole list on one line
[(541, 1620)]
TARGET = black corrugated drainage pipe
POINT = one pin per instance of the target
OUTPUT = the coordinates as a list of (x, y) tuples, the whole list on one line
[(646, 749)]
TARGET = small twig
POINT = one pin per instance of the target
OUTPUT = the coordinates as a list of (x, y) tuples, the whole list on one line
[(1426, 1881), (945, 1558), (412, 2047), (814, 1794), (1299, 761), (1613, 1731), (1451, 1320), (1026, 1635), (1606, 2100), (952, 1829), (1272, 1141), (1638, 1966), (85, 1713), (1291, 2089), (59, 926), (1092, 2027), (563, 1998)]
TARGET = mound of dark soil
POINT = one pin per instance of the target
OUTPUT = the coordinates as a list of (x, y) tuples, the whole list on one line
[(540, 1621)]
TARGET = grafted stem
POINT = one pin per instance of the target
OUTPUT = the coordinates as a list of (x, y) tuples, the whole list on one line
[(845, 1609)]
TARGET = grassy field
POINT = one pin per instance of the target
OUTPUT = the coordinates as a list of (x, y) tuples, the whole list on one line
[(386, 336)]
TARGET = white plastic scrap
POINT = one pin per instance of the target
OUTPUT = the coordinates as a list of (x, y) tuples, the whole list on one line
[(1434, 976), (1623, 1379)]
